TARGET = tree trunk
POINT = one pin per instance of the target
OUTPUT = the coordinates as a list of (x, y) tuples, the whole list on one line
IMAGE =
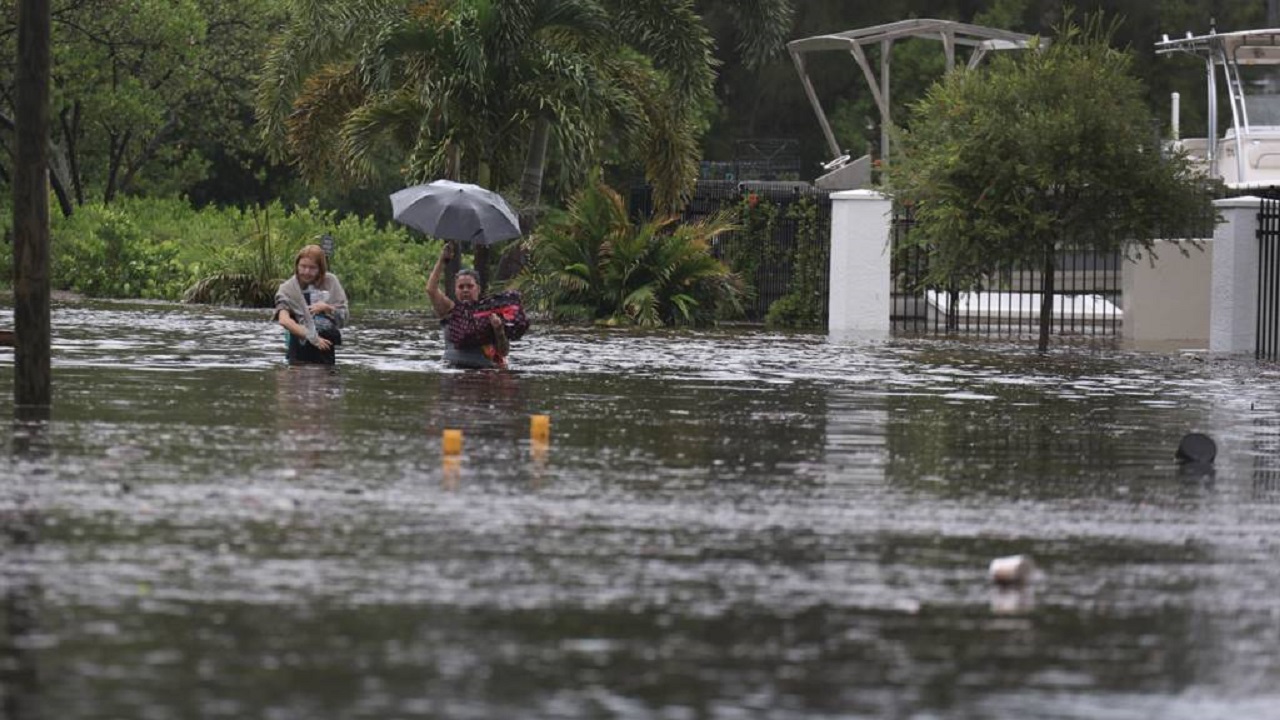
[(1046, 297), (32, 386), (453, 162), (60, 178), (535, 163), (482, 266), (70, 154), (148, 152), (115, 165)]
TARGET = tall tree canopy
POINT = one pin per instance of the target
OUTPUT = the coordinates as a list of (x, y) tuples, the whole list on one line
[(1045, 149), (142, 91), (484, 89), (157, 96)]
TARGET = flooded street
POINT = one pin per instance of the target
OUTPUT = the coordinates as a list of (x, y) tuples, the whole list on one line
[(735, 524)]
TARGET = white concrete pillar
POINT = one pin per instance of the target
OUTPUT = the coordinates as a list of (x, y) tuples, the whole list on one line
[(1233, 305), (859, 291)]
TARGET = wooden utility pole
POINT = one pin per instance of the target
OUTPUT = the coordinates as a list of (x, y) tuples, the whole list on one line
[(32, 386)]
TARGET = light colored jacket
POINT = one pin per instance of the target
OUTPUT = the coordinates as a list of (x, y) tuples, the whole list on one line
[(290, 296)]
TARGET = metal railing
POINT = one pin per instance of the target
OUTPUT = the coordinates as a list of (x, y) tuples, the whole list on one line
[(1268, 327), (1005, 301)]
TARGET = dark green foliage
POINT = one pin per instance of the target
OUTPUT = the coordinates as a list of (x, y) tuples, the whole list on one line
[(253, 274), (110, 257), (161, 249), (805, 304), (753, 245), (592, 263)]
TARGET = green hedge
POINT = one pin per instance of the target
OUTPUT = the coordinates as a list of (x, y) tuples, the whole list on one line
[(157, 248)]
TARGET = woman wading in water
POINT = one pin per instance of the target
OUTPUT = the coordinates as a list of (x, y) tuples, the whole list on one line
[(466, 288), (312, 306)]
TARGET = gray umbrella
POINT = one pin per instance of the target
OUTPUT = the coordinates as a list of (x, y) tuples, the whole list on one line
[(456, 211)]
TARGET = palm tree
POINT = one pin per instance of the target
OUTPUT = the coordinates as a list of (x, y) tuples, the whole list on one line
[(488, 90), (761, 27), (592, 263)]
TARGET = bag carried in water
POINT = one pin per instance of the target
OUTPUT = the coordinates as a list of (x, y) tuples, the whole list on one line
[(468, 323)]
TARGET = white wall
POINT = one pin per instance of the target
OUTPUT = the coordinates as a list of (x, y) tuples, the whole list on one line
[(1165, 297), (859, 291)]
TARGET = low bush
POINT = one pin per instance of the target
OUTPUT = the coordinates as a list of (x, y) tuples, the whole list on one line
[(160, 248)]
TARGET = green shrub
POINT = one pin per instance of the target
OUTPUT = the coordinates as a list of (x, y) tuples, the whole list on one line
[(804, 304), (104, 254), (160, 247), (592, 263)]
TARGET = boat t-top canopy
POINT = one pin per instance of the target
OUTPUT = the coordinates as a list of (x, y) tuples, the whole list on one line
[(952, 34), (1247, 47), (1229, 51)]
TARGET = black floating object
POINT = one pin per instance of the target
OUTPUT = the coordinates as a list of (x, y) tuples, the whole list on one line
[(1196, 448)]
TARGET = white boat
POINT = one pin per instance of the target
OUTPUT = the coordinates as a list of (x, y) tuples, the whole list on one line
[(1247, 153)]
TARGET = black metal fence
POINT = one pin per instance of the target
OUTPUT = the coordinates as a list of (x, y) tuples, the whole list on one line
[(756, 159), (1006, 300), (1268, 329)]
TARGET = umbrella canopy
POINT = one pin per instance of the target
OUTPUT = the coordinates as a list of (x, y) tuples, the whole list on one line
[(456, 211)]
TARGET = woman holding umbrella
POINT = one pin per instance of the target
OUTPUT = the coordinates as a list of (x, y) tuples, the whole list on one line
[(466, 288)]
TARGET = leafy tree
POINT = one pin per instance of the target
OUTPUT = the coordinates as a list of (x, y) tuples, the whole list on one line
[(591, 263), (1048, 149), (139, 87)]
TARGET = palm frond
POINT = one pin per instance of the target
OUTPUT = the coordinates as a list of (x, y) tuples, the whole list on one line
[(763, 27), (319, 110), (235, 289)]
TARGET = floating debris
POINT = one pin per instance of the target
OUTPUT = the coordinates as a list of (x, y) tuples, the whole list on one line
[(1196, 448), (1011, 570)]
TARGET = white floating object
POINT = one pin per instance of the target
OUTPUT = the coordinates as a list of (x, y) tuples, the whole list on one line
[(1011, 570)]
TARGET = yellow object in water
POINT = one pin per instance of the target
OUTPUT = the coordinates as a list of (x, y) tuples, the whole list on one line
[(540, 428), (452, 442)]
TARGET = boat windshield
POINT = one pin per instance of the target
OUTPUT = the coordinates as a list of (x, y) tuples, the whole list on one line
[(1261, 85)]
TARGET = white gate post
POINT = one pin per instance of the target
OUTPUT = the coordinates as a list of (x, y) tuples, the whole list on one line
[(1233, 305), (859, 291)]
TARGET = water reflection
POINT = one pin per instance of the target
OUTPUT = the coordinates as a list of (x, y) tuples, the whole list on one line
[(30, 436), (21, 685), (450, 471), (539, 452), (1266, 454), (473, 399), (310, 415), (22, 638)]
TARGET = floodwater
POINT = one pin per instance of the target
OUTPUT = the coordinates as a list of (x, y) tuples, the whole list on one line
[(739, 524)]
